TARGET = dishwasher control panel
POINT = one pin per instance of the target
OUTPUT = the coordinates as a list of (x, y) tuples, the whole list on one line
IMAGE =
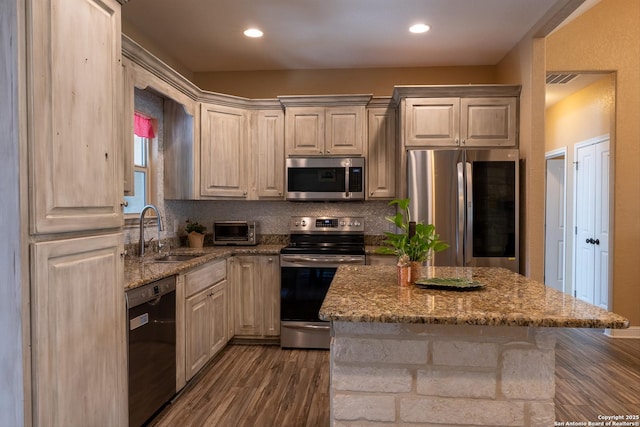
[(150, 291)]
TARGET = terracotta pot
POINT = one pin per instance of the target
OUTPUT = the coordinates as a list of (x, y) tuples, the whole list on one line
[(196, 240)]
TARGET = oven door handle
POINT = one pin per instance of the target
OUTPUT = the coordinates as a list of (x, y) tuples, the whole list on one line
[(310, 261), (313, 327)]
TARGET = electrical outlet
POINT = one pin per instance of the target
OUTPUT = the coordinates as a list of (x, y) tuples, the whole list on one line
[(176, 225)]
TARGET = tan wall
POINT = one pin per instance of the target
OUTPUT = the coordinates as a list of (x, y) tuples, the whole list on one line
[(581, 116), (524, 65), (376, 81), (585, 115), (606, 38)]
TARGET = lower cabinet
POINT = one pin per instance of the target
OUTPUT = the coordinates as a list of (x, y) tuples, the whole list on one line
[(255, 280), (78, 331), (206, 310)]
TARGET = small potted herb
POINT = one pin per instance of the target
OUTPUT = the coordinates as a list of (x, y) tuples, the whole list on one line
[(416, 242), (195, 233)]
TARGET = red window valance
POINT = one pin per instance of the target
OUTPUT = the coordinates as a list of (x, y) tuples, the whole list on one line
[(143, 126)]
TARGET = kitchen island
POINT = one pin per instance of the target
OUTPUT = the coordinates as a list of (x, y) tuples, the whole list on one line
[(412, 356)]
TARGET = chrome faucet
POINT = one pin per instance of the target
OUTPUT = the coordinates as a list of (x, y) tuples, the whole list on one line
[(142, 212)]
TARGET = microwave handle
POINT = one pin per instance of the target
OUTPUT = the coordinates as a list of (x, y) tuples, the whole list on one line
[(347, 168)]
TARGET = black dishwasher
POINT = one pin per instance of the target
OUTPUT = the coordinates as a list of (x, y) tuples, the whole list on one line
[(151, 320)]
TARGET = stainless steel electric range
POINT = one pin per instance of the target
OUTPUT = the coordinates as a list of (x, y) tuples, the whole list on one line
[(318, 245)]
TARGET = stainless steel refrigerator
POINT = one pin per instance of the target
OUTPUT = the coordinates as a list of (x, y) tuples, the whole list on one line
[(472, 198)]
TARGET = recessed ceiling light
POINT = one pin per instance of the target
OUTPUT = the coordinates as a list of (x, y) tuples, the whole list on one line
[(419, 28), (253, 32)]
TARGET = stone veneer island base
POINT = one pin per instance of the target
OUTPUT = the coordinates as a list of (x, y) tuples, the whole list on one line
[(423, 357)]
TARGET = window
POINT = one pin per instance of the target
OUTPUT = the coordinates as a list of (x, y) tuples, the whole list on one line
[(143, 138)]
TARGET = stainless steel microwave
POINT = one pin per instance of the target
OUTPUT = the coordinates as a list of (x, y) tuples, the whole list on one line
[(325, 178), (231, 233)]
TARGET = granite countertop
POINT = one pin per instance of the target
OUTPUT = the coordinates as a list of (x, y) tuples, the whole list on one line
[(139, 271), (371, 294)]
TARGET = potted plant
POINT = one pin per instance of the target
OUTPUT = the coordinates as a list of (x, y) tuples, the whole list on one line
[(415, 243), (195, 233)]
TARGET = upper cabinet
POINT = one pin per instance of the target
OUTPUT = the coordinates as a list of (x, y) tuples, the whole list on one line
[(267, 134), (325, 125), (381, 149), (465, 116), (224, 147), (75, 115), (241, 152)]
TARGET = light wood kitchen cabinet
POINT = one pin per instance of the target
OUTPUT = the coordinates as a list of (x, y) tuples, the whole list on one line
[(74, 130), (206, 313), (465, 116), (325, 125), (76, 363), (381, 152), (268, 154), (489, 122), (255, 280), (78, 322), (467, 122), (224, 148)]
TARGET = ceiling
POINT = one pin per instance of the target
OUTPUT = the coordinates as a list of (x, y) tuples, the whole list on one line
[(320, 34)]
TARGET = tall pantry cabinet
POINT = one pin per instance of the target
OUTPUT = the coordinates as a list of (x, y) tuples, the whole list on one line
[(74, 95)]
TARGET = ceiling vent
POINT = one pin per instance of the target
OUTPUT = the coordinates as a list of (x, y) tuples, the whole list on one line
[(560, 79)]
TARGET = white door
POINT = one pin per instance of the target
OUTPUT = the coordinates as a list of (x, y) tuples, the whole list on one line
[(554, 253), (601, 228), (592, 222)]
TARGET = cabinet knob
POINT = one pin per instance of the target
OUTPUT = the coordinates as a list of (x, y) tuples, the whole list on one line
[(124, 204), (270, 259)]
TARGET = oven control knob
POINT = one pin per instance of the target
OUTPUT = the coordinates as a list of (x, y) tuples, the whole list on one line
[(304, 223), (357, 223), (342, 223)]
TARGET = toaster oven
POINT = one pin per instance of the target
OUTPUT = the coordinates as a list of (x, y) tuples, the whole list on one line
[(230, 233)]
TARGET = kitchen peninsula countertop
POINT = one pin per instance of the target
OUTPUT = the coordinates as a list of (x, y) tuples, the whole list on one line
[(371, 294), (139, 271)]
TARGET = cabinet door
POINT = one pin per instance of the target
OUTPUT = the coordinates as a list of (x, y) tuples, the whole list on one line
[(381, 153), (128, 109), (270, 283), (344, 132), (223, 152), (74, 120), (218, 303), (432, 121), (488, 122), (79, 332), (269, 139), (198, 327), (304, 131), (248, 295)]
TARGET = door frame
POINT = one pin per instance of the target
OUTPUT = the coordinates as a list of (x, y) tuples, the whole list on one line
[(555, 154), (576, 147)]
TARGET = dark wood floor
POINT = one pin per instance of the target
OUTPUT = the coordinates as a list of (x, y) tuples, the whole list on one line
[(266, 386), (596, 375), (249, 385)]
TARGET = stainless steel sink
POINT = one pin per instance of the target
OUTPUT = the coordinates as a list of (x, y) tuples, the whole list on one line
[(175, 258)]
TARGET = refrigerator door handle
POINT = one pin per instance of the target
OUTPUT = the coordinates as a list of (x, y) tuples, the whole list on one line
[(468, 244), (461, 219)]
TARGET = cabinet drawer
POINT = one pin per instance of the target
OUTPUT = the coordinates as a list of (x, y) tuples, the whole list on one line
[(204, 276)]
